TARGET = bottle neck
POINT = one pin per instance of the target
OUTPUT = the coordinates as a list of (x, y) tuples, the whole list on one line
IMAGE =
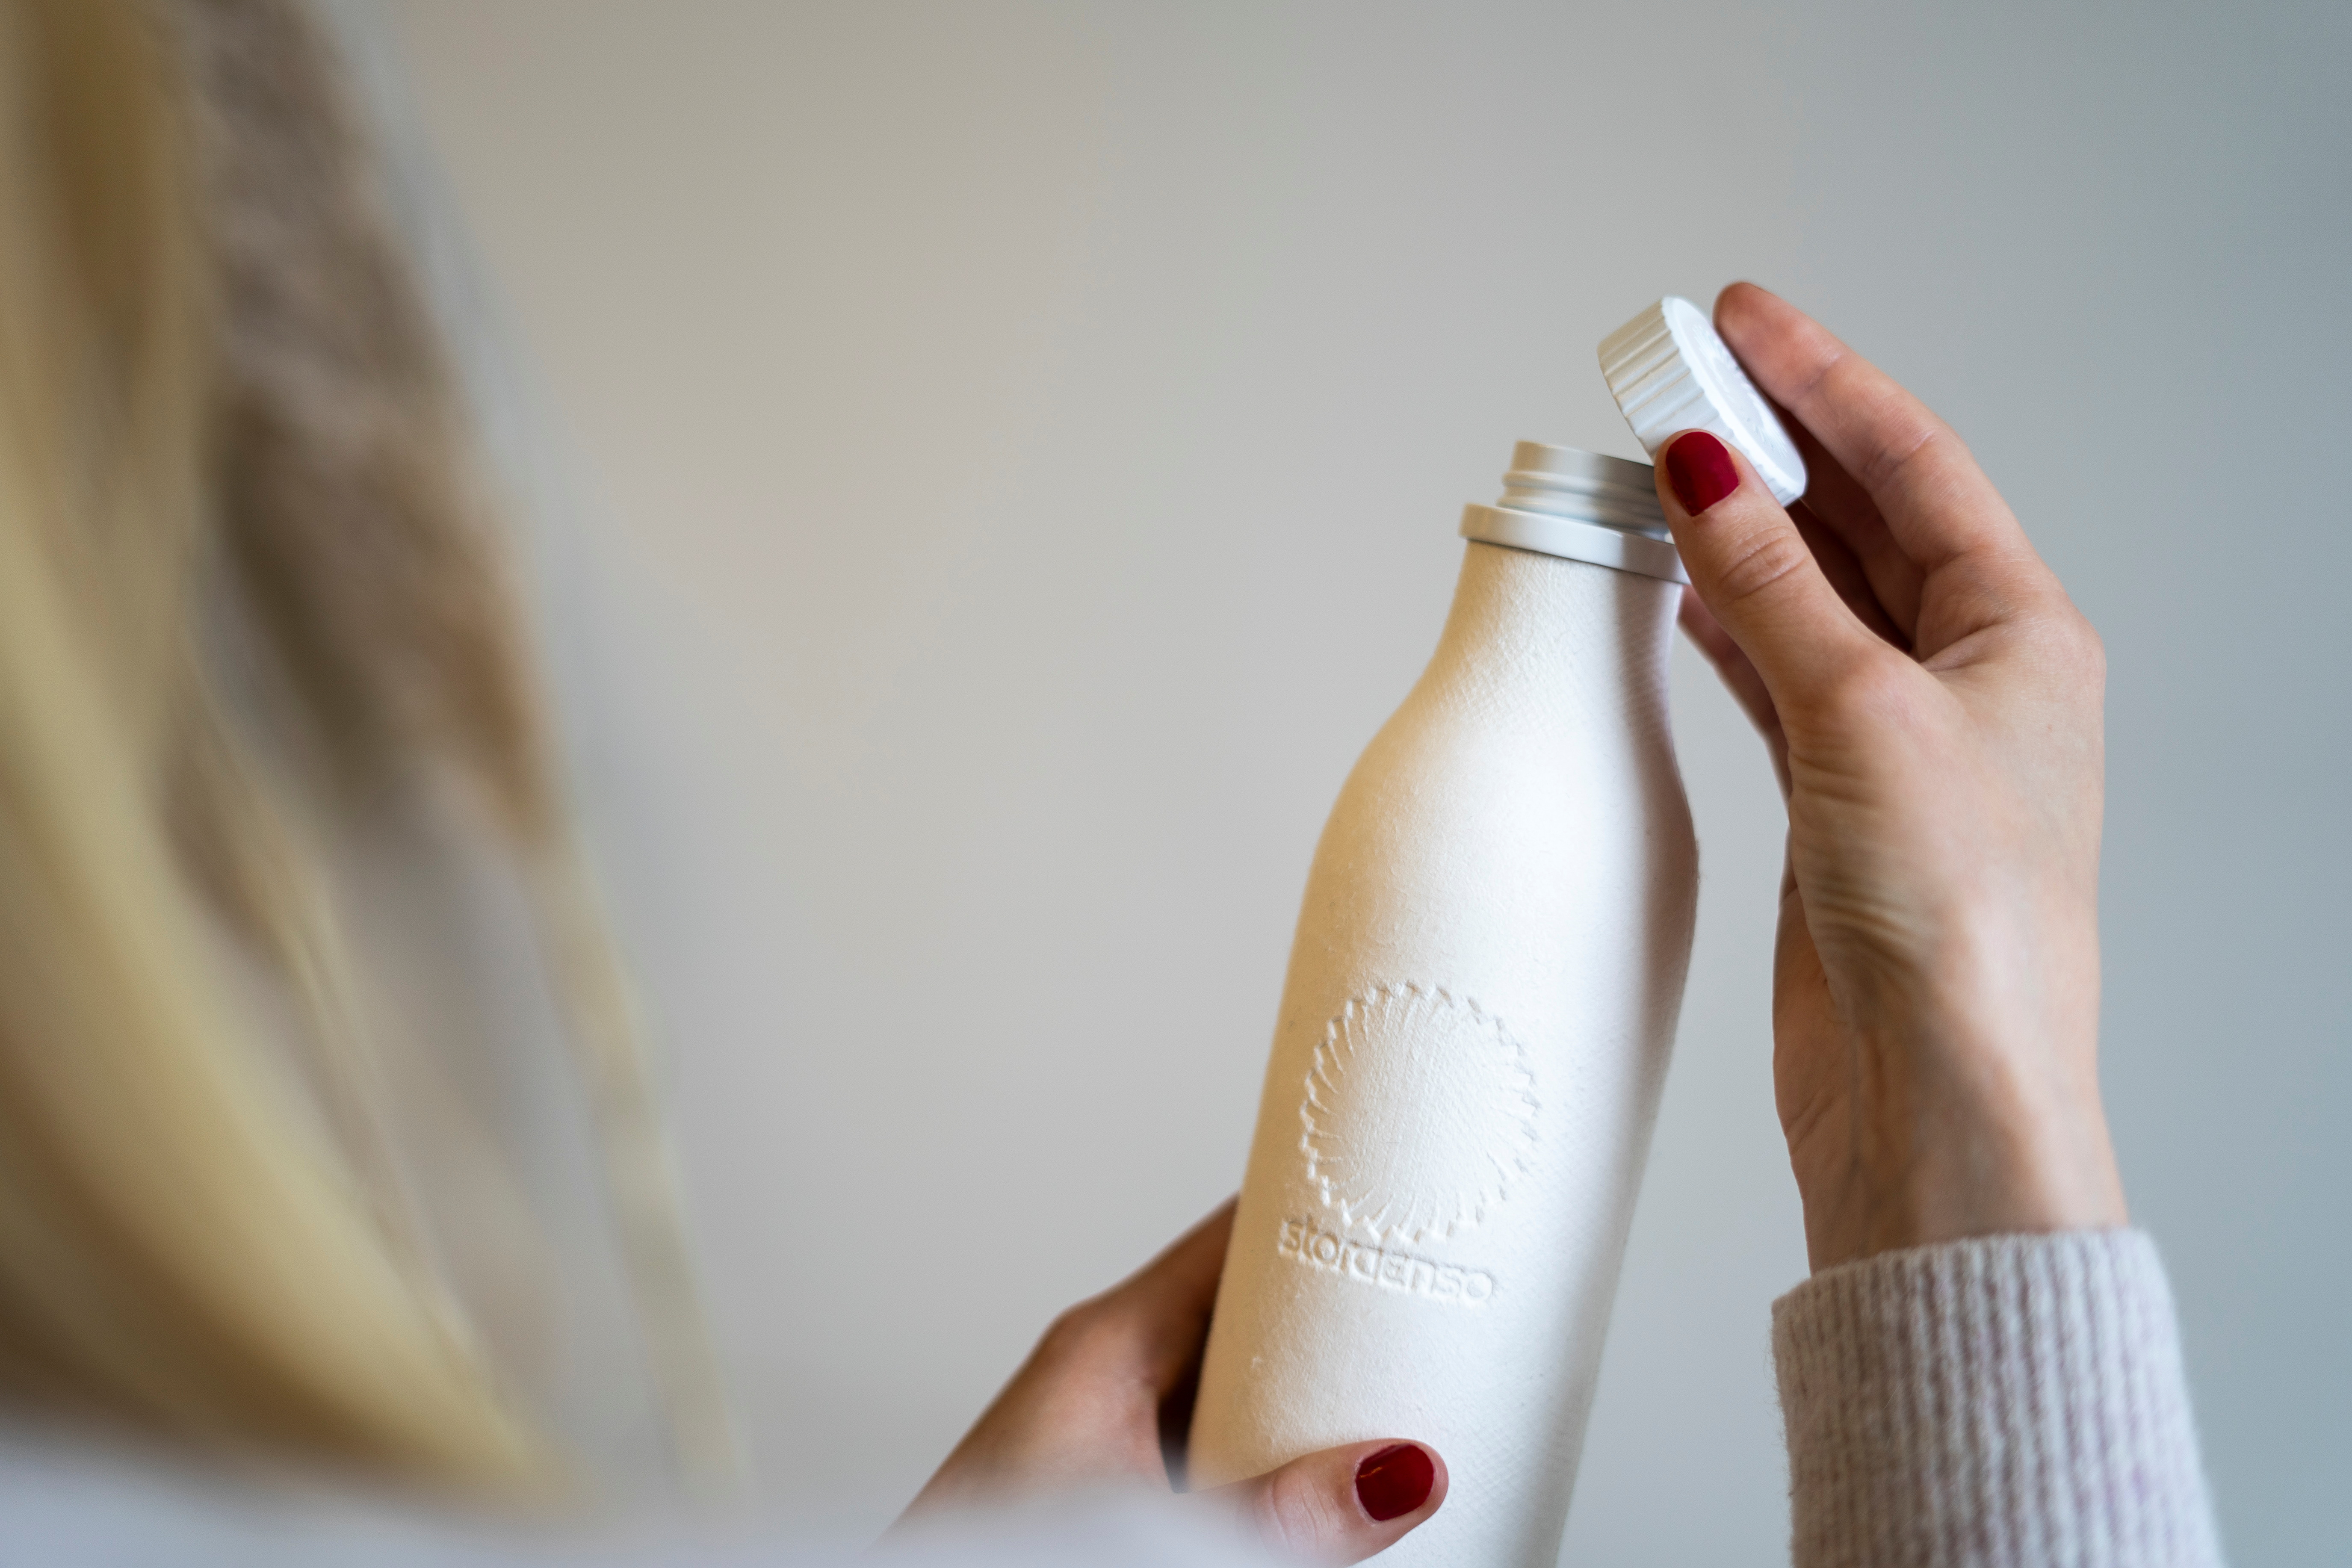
[(1581, 506), (1561, 481), (1540, 637)]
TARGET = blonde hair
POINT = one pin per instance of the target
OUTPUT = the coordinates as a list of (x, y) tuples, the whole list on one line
[(221, 397)]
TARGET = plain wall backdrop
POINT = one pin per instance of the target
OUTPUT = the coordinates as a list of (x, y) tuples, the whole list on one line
[(1023, 444)]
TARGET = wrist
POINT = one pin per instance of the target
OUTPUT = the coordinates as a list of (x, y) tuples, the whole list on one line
[(1956, 1144)]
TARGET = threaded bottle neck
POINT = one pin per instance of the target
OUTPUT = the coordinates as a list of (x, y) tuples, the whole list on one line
[(1579, 505), (1561, 481)]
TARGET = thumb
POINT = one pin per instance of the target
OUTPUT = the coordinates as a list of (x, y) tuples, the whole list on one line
[(1755, 573), (1340, 1505)]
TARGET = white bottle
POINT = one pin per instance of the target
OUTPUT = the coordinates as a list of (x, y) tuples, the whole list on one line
[(1473, 1035)]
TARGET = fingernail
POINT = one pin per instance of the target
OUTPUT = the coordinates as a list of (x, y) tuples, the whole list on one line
[(1395, 1481), (1699, 469)]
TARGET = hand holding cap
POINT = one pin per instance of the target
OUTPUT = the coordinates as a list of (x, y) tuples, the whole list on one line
[(1670, 370)]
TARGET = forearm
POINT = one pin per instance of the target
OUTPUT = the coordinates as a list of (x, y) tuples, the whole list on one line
[(2010, 1402)]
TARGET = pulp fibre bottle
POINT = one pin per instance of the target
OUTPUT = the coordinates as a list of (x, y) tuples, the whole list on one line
[(1480, 1002), (1473, 1035)]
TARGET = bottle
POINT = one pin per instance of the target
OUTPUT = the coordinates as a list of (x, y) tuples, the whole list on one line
[(1474, 1035)]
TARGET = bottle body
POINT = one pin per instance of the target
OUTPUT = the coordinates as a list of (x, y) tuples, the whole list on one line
[(1473, 1039)]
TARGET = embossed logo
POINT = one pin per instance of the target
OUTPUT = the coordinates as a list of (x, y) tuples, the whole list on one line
[(1420, 1114), (1300, 1241)]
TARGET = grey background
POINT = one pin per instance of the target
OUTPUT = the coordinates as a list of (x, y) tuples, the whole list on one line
[(1022, 443)]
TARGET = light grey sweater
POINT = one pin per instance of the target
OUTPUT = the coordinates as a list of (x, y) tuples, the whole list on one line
[(2011, 1403), (2007, 1403)]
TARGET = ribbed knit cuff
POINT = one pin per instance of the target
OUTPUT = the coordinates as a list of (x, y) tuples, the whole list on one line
[(2012, 1402)]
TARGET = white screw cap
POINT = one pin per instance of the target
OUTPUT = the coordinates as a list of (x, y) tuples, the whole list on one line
[(1670, 372)]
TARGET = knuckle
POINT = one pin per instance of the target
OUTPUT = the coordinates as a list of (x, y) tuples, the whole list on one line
[(1758, 561), (1080, 1333), (1831, 357), (2065, 644), (2087, 649), (1897, 443), (1295, 1515), (1899, 450)]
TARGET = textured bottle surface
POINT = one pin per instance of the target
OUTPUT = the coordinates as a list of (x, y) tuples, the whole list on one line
[(1472, 1038)]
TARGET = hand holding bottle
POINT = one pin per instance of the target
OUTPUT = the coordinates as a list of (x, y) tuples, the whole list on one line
[(1932, 702), (1091, 1404)]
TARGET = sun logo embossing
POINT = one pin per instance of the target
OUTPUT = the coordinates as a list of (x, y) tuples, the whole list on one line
[(1420, 1114)]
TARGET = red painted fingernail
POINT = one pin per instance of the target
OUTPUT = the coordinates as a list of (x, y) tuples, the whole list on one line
[(1699, 469), (1395, 1481)]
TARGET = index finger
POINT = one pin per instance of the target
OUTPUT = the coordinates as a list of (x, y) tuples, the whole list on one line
[(1936, 501)]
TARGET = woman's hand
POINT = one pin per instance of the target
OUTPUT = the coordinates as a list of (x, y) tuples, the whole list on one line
[(1931, 700), (1111, 1383)]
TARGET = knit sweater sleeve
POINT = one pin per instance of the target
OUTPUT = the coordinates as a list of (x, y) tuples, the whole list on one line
[(2012, 1402)]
